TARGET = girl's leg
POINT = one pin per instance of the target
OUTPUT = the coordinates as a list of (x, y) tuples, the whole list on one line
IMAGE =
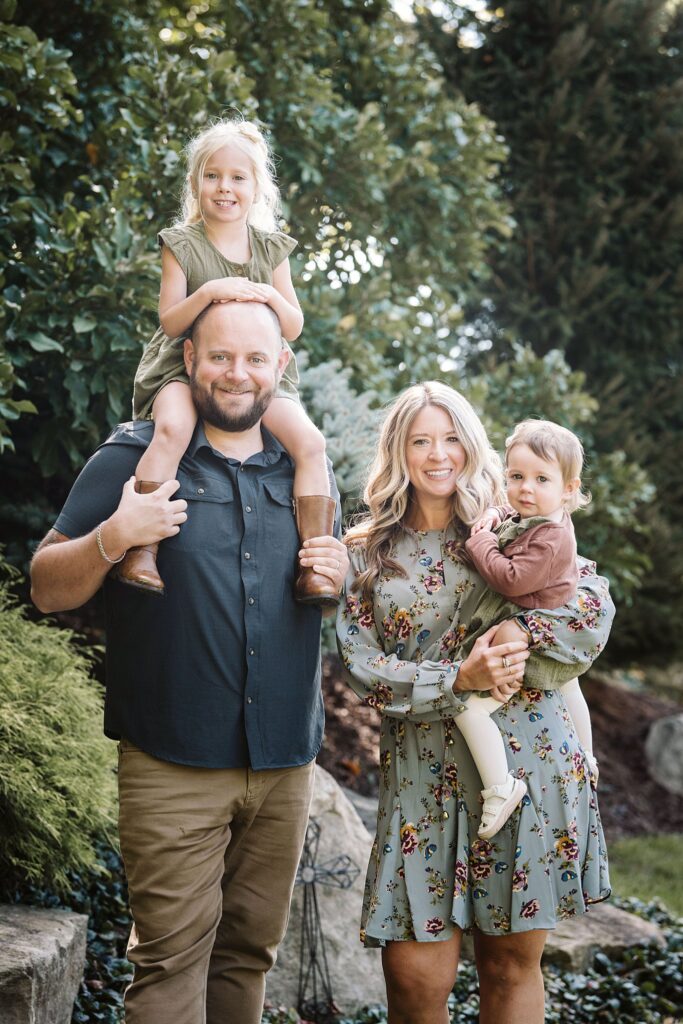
[(483, 739), (578, 709), (314, 507), (304, 442), (174, 420), (419, 978), (510, 978), (502, 791)]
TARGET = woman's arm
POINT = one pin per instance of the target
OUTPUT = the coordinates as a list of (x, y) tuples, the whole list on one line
[(405, 689)]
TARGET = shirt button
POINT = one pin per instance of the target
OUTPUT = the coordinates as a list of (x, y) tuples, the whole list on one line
[(251, 600), (247, 508), (200, 490), (241, 469), (251, 650), (248, 700), (247, 555)]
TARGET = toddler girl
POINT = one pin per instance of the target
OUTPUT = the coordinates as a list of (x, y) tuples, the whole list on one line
[(226, 248), (530, 559)]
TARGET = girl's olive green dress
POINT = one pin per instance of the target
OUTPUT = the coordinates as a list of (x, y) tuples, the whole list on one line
[(200, 261), (428, 869)]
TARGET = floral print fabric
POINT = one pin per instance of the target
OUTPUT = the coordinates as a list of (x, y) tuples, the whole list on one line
[(428, 869)]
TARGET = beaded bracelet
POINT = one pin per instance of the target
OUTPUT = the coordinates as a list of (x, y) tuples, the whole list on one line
[(100, 545)]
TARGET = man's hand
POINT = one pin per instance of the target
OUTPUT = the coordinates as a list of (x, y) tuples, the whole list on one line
[(143, 518), (487, 667), (328, 556), (489, 521)]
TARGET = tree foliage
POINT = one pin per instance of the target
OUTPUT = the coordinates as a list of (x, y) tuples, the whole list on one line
[(389, 181), (588, 98), (99, 101)]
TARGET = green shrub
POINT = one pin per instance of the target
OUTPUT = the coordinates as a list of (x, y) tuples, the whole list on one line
[(56, 768)]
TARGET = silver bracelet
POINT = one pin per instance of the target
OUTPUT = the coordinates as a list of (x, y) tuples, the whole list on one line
[(100, 545)]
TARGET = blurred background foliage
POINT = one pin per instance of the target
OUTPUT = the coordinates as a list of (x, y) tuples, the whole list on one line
[(491, 196)]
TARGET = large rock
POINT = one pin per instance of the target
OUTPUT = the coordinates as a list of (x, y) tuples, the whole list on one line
[(42, 956), (355, 973), (604, 929), (664, 750)]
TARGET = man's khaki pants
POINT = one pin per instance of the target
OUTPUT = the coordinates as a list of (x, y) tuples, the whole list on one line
[(210, 856)]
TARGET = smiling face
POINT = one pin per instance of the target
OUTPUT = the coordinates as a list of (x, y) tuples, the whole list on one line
[(535, 486), (234, 364), (435, 458), (228, 186)]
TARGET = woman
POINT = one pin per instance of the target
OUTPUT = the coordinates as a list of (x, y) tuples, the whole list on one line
[(408, 597)]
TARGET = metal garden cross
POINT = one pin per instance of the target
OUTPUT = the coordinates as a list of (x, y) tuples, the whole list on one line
[(315, 1001)]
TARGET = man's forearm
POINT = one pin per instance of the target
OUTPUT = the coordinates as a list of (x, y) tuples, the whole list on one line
[(66, 573)]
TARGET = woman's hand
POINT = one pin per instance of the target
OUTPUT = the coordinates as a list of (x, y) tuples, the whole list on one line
[(498, 668)]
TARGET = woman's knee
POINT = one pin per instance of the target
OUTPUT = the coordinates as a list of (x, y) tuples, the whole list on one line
[(416, 978), (508, 963)]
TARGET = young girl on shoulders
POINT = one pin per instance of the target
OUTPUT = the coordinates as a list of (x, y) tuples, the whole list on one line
[(226, 247)]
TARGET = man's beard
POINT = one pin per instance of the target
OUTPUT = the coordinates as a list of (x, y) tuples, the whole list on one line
[(211, 412)]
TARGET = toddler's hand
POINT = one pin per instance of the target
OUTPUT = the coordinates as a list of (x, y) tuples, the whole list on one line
[(234, 289), (489, 521)]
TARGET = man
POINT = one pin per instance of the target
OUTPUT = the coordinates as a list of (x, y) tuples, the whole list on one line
[(212, 691)]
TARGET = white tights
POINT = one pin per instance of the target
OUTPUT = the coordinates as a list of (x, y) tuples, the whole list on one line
[(486, 744)]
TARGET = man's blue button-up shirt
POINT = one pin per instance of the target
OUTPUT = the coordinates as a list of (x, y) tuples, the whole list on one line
[(224, 670)]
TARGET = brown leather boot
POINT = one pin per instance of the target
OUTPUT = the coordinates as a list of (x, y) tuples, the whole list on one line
[(139, 567), (314, 518)]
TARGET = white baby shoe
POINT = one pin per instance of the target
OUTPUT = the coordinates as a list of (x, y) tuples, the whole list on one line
[(499, 803)]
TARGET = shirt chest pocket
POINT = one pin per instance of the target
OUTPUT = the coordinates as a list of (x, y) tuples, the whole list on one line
[(279, 523), (210, 514)]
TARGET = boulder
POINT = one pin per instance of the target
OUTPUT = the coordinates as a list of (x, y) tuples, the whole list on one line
[(42, 956), (355, 973), (664, 751), (366, 807), (604, 929)]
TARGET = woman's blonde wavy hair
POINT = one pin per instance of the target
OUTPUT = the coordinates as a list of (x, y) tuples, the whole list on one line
[(388, 492), (248, 137)]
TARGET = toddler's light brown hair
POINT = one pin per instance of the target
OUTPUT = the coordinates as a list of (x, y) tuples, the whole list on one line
[(550, 441)]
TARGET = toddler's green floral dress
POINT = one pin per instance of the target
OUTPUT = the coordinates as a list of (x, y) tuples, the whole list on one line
[(428, 869)]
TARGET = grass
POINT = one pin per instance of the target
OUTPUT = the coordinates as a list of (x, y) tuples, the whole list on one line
[(649, 867)]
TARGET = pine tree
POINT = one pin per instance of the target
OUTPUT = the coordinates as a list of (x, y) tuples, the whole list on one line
[(589, 100)]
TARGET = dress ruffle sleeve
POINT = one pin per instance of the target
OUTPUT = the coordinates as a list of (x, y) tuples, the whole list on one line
[(566, 641), (279, 247), (176, 240), (397, 688)]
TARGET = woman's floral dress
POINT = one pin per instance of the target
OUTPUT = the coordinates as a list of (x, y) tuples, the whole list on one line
[(428, 869)]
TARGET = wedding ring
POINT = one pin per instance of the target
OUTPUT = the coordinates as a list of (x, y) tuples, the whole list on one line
[(506, 663)]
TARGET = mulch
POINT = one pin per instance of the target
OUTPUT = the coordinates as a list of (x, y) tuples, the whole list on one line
[(631, 803)]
